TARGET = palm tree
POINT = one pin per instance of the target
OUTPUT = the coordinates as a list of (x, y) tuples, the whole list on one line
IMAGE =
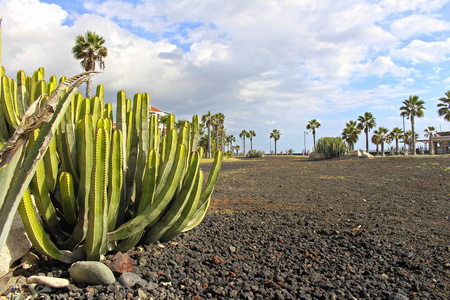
[(396, 133), (207, 119), (312, 126), (444, 107), (366, 122), (89, 48), (350, 133), (180, 123), (412, 107), (376, 139), (275, 135), (244, 134), (408, 138), (229, 140), (429, 133), (382, 137), (251, 134), (237, 148), (218, 120)]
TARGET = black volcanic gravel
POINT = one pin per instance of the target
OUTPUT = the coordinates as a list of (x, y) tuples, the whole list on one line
[(274, 255)]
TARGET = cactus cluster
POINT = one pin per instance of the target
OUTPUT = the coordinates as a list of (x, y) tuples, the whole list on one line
[(107, 186), (26, 105)]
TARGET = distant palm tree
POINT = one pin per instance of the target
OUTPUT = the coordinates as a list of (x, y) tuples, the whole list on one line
[(412, 107), (244, 134), (229, 140), (207, 120), (444, 107), (382, 137), (237, 148), (251, 134), (408, 139), (312, 126), (429, 133), (275, 135), (396, 133), (376, 140), (350, 134), (90, 49), (366, 122), (180, 123)]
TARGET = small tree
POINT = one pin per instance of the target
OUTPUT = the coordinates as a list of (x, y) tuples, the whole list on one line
[(251, 134)]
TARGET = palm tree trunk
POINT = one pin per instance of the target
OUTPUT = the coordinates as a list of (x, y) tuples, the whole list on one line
[(88, 88), (431, 147), (209, 140), (413, 140), (396, 146), (275, 141), (367, 139), (217, 138), (251, 144), (314, 141), (382, 148)]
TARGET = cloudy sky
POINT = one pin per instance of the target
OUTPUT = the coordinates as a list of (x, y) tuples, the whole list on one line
[(264, 64)]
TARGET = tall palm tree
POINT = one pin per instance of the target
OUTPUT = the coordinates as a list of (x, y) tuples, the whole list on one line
[(396, 133), (90, 50), (207, 119), (350, 133), (382, 137), (429, 133), (366, 122), (218, 120), (275, 135), (312, 126), (444, 107), (412, 107), (243, 135), (251, 134)]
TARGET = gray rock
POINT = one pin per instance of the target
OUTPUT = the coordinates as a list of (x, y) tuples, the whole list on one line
[(129, 279), (91, 272), (16, 246), (398, 296), (316, 156), (53, 282)]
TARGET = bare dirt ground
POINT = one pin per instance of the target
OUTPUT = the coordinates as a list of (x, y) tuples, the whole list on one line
[(402, 198)]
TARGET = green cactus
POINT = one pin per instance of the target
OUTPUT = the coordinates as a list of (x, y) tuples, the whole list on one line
[(17, 165), (101, 188)]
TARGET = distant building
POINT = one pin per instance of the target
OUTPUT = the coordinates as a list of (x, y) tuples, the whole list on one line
[(441, 142), (156, 111)]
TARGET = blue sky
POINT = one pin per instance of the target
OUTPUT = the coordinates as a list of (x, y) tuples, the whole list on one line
[(263, 64)]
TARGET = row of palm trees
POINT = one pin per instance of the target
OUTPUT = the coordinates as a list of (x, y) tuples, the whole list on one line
[(412, 108), (247, 135)]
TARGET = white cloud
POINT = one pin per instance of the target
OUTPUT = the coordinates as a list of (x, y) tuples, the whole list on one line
[(418, 24), (419, 51)]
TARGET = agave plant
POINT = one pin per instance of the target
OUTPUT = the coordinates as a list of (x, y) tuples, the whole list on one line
[(105, 187), (25, 107)]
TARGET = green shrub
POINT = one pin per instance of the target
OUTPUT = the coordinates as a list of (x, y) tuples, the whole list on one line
[(255, 153), (229, 154), (331, 147)]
